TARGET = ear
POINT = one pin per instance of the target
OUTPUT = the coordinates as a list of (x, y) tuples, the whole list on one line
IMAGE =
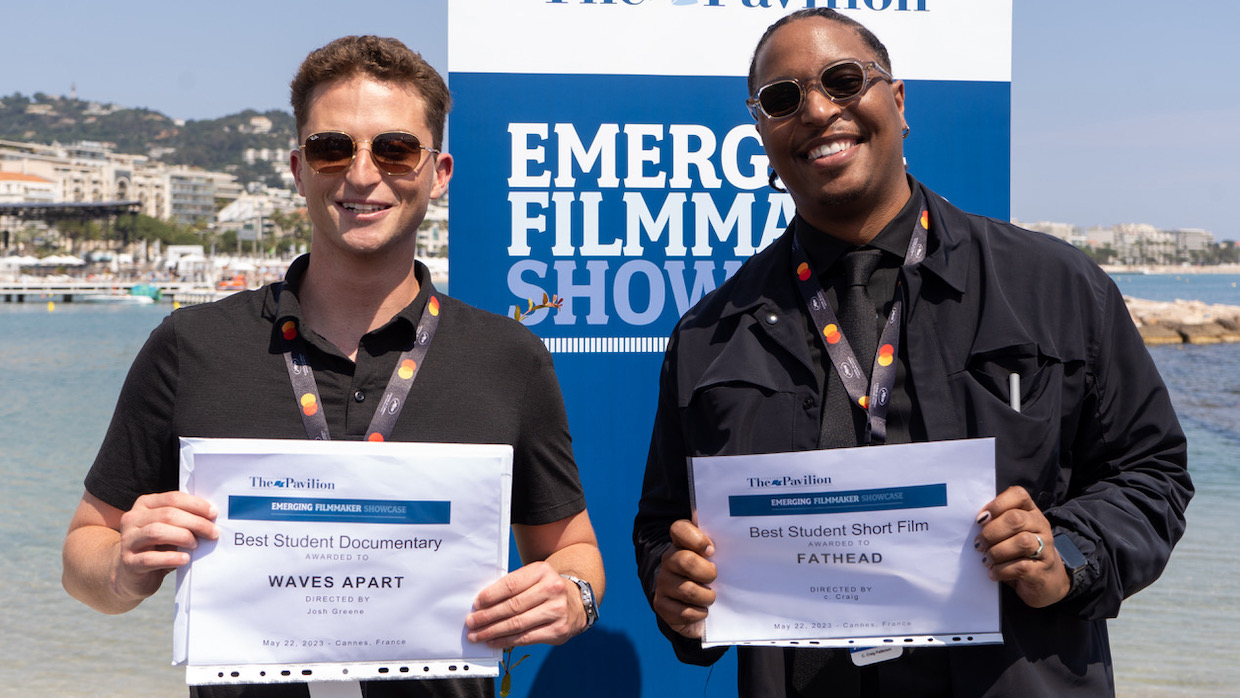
[(443, 173), (897, 93), (294, 163)]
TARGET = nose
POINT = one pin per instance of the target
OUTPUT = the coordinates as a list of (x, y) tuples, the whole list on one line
[(363, 170), (818, 106)]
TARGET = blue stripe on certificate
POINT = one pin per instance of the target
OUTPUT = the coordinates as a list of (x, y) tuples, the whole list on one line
[(380, 511), (913, 497)]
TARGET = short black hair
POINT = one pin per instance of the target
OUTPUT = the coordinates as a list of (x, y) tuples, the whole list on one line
[(880, 51)]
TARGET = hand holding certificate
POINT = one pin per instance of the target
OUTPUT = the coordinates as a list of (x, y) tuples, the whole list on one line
[(340, 559), (849, 547)]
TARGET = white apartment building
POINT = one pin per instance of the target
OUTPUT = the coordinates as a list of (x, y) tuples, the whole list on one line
[(16, 188), (91, 172)]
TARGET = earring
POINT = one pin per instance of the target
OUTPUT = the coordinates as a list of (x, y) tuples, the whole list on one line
[(771, 181), (904, 133)]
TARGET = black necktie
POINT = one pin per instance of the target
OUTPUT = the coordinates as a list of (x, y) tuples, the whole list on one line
[(840, 422), (857, 313)]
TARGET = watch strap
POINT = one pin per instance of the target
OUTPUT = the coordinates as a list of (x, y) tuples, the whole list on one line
[(587, 599)]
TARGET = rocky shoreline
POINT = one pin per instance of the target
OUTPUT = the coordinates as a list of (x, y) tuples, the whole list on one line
[(1184, 322)]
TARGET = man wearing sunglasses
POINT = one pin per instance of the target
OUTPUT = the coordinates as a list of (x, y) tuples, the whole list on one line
[(939, 309), (355, 324)]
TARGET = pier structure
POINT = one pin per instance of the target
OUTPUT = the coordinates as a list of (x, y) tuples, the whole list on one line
[(68, 291)]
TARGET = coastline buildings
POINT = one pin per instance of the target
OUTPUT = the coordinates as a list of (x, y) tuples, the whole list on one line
[(214, 202), (92, 172), (1133, 243)]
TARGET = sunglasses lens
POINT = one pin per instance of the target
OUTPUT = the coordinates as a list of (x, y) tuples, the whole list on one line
[(843, 81), (397, 153), (329, 153), (780, 98)]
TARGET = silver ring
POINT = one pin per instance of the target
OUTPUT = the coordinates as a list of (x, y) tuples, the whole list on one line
[(1037, 554)]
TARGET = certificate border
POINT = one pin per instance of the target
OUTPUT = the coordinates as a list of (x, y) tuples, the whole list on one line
[(482, 666), (866, 642), (857, 641), (209, 675)]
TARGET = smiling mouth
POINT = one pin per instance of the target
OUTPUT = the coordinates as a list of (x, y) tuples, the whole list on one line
[(829, 149), (363, 208)]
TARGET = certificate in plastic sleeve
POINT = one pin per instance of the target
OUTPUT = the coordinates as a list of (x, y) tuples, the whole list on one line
[(340, 560), (857, 547)]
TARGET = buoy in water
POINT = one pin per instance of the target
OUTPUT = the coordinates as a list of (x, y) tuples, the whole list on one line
[(51, 305)]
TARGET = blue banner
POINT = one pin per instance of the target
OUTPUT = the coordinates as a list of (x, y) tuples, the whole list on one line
[(604, 154), (377, 511), (887, 498)]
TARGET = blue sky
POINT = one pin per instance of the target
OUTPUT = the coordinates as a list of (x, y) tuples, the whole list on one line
[(1121, 112)]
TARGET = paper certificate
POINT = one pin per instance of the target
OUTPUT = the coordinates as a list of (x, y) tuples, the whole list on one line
[(340, 560), (856, 547)]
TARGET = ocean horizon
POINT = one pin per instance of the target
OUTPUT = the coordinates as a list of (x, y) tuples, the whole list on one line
[(65, 368)]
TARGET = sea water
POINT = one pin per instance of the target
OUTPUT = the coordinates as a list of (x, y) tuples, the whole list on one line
[(60, 372)]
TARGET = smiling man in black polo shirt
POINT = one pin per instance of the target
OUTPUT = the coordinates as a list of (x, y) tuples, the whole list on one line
[(365, 107)]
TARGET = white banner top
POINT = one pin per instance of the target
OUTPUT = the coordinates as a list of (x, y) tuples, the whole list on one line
[(969, 40)]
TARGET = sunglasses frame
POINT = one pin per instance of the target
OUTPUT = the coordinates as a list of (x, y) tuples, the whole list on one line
[(867, 78), (370, 143)]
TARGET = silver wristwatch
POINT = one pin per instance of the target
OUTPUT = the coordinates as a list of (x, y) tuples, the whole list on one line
[(587, 599)]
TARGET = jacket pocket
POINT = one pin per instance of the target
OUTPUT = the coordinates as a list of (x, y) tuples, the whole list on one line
[(1028, 441)]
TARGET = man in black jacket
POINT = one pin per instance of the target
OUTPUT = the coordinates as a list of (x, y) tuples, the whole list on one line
[(1091, 468)]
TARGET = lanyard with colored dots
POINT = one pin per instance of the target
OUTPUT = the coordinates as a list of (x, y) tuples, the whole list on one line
[(872, 394), (306, 390)]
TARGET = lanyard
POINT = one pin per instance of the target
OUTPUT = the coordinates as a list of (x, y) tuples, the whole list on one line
[(306, 390), (871, 394)]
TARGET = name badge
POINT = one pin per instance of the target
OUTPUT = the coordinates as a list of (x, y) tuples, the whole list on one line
[(874, 655)]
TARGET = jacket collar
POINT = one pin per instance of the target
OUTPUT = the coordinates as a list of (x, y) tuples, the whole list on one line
[(760, 285), (948, 256)]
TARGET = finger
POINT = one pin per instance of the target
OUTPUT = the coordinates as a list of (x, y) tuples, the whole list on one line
[(158, 511), (683, 618), (689, 537), (515, 583), (1021, 547), (684, 589), (1014, 497), (544, 617), (512, 606), (178, 500), (143, 563), (157, 536), (689, 565)]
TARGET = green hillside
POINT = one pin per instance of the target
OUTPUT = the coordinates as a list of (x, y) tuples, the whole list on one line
[(215, 144)]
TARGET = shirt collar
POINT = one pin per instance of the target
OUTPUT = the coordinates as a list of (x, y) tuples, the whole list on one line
[(282, 301), (824, 250)]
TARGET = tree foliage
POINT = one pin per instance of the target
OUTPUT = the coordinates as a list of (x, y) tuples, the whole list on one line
[(212, 144)]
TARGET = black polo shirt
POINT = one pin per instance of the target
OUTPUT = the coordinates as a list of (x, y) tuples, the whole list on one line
[(217, 370)]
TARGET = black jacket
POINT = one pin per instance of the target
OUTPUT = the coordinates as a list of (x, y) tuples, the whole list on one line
[(1097, 442)]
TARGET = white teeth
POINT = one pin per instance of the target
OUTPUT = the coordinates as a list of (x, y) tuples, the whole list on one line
[(363, 208), (832, 148)]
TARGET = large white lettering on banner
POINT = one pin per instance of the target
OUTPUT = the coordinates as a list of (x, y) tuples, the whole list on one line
[(632, 183)]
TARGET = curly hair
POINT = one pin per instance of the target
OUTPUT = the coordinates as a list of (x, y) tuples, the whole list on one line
[(381, 58)]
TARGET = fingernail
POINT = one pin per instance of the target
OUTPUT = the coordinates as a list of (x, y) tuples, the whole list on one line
[(977, 543), (986, 560), (983, 517)]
